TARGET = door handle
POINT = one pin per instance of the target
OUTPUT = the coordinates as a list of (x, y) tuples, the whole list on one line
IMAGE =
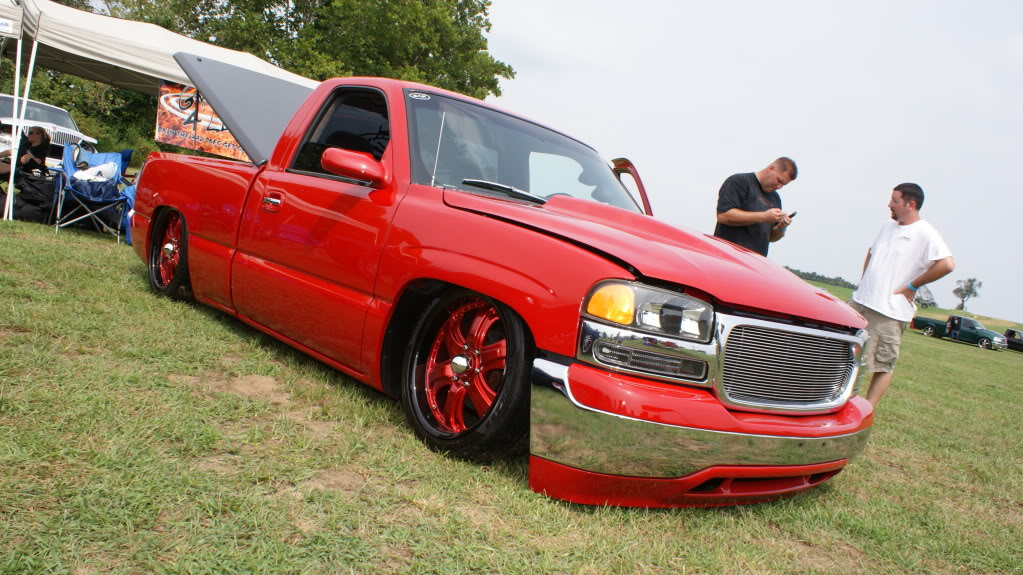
[(272, 202)]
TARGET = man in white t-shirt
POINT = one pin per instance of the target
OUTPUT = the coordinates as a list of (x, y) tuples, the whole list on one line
[(907, 254)]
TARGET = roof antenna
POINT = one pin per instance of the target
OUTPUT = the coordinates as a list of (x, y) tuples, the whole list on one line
[(436, 156)]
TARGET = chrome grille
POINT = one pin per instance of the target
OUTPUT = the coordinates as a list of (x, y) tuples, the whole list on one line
[(769, 367), (63, 138), (57, 135)]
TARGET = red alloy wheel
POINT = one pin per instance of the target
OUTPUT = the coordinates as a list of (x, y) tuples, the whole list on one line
[(169, 251), (465, 366)]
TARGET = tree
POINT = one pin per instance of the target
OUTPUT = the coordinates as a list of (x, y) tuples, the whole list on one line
[(965, 289), (437, 42)]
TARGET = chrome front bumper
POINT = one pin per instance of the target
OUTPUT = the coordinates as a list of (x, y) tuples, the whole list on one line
[(566, 431)]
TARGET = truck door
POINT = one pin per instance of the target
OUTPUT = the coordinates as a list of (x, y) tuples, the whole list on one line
[(969, 330), (310, 241), (628, 175)]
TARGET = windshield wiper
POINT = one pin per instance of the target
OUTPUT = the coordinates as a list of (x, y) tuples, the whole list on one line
[(510, 191)]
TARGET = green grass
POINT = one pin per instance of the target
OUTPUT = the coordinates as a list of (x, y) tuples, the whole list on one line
[(140, 435)]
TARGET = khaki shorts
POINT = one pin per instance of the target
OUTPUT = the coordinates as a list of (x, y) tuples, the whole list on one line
[(885, 335)]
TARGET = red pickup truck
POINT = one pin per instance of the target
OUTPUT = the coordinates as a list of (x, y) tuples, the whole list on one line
[(497, 277)]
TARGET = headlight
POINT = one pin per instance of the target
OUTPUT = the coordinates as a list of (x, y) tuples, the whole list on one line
[(651, 309)]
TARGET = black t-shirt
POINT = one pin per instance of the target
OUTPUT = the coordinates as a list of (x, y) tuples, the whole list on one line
[(743, 191), (39, 151)]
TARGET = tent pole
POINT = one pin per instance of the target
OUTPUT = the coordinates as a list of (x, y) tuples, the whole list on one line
[(15, 132)]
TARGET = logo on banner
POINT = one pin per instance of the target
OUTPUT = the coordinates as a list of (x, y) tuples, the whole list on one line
[(184, 118)]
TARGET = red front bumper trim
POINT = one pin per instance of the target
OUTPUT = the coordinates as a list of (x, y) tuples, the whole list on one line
[(710, 487)]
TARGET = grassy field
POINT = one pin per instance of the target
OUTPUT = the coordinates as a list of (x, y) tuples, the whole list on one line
[(140, 435), (999, 325)]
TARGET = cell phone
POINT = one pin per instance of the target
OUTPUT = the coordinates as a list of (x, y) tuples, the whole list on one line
[(792, 215)]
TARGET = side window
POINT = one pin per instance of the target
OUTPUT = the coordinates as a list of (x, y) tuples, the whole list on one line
[(355, 119)]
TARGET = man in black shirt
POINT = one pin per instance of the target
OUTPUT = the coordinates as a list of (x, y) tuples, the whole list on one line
[(749, 207)]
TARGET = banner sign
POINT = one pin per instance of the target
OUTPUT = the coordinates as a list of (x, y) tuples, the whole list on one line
[(184, 118)]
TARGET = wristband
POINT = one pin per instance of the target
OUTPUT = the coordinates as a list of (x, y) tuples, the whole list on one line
[(912, 287)]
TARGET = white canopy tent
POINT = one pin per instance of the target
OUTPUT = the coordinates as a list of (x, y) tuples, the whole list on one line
[(121, 53)]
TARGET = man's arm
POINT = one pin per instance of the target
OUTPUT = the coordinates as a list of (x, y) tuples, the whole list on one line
[(737, 217), (939, 269), (778, 231)]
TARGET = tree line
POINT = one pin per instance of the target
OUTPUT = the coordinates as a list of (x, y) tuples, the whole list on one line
[(816, 277), (436, 42)]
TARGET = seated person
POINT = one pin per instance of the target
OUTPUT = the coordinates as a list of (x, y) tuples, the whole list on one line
[(35, 201), (31, 152)]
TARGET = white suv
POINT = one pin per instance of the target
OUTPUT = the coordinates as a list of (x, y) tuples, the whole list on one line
[(57, 122)]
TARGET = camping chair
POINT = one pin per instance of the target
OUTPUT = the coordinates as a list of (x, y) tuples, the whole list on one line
[(90, 191)]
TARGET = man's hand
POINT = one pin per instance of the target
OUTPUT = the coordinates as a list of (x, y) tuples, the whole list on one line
[(907, 293), (778, 217)]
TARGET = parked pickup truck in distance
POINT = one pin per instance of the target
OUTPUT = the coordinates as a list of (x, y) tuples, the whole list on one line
[(970, 331), (498, 279), (1014, 339)]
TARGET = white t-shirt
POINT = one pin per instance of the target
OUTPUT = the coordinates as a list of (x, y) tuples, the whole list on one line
[(898, 255)]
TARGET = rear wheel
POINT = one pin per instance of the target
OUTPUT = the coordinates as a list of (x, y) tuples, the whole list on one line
[(984, 343), (168, 256), (928, 331), (465, 389)]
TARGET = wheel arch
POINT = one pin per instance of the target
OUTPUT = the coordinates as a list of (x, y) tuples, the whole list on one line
[(154, 217)]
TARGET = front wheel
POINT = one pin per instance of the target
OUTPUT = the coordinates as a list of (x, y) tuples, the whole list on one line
[(984, 343), (928, 331), (168, 256), (465, 388)]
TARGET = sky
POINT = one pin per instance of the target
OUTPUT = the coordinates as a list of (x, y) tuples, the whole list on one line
[(862, 95)]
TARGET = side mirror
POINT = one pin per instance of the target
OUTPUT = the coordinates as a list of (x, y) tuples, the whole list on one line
[(355, 165)]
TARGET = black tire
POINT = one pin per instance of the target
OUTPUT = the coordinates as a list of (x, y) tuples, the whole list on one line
[(984, 343), (928, 331), (168, 256), (465, 384)]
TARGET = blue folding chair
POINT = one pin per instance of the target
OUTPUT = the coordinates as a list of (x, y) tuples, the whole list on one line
[(98, 202)]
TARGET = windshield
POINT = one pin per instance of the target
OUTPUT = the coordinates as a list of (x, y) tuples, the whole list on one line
[(38, 112), (452, 141)]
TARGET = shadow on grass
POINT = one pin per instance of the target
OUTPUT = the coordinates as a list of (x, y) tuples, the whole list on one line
[(515, 468)]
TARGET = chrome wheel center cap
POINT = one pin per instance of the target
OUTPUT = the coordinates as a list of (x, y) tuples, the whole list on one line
[(168, 249), (459, 364)]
